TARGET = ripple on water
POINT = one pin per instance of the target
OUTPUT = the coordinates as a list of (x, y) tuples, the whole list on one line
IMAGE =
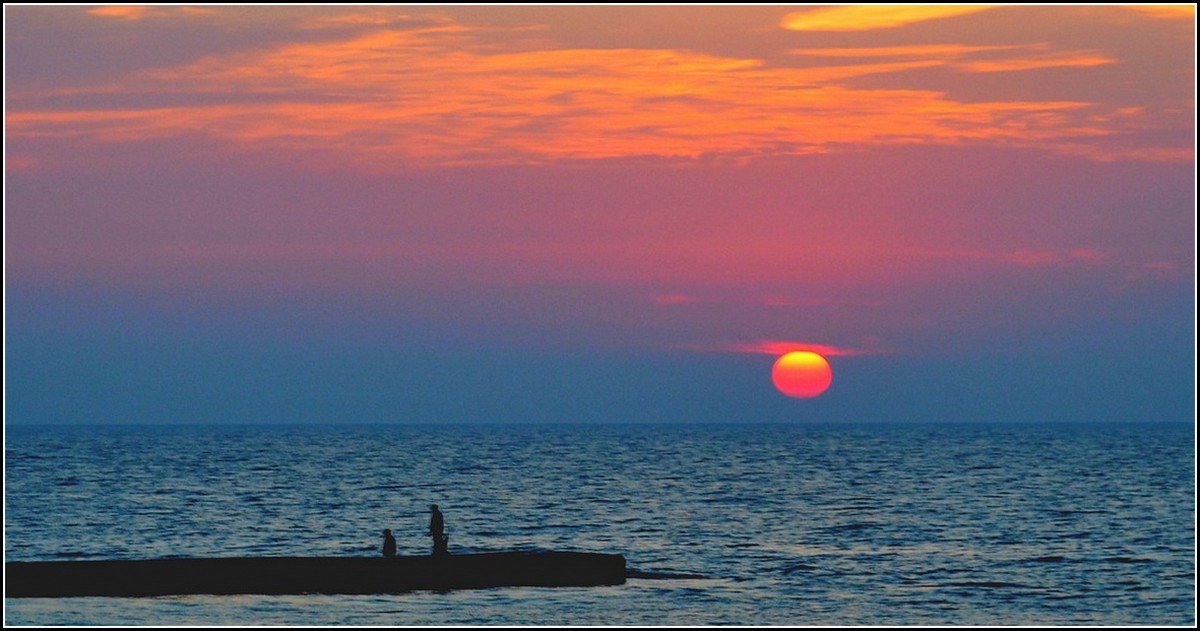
[(724, 524)]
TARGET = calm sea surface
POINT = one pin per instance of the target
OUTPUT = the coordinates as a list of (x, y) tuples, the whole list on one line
[(788, 524)]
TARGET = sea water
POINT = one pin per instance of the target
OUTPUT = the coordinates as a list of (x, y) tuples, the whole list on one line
[(775, 524)]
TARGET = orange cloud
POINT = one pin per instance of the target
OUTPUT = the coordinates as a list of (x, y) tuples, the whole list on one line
[(870, 17), (122, 12), (430, 96), (916, 50), (950, 54), (1065, 60), (141, 12), (376, 19), (1165, 11)]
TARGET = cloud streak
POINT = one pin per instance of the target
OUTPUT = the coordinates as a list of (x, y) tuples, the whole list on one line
[(1025, 257), (1166, 11), (872, 17), (966, 58), (779, 347), (134, 13)]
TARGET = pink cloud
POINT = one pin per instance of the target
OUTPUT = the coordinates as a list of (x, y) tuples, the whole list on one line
[(1030, 258), (670, 300), (1088, 254), (785, 302), (1150, 272), (781, 301), (1025, 257), (21, 163), (779, 347)]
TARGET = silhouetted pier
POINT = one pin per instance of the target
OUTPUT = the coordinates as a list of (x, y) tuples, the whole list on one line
[(310, 575)]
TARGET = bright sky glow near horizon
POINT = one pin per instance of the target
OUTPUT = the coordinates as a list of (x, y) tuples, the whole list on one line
[(588, 214)]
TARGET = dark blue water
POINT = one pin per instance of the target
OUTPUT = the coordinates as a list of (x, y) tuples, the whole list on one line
[(788, 524)]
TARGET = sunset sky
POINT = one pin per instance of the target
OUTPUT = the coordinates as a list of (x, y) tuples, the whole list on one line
[(585, 214)]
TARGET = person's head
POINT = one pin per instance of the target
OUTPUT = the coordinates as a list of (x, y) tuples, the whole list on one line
[(433, 507), (387, 532)]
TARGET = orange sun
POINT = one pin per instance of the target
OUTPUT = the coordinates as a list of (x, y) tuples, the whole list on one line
[(802, 374)]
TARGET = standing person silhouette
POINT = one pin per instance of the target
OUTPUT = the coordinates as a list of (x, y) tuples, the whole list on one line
[(389, 543), (437, 530)]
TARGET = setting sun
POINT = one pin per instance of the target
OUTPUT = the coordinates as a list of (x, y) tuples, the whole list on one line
[(802, 374)]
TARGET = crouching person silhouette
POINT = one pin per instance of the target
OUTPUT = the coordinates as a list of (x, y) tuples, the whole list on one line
[(389, 543)]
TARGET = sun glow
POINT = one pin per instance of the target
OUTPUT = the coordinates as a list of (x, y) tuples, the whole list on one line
[(802, 374)]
